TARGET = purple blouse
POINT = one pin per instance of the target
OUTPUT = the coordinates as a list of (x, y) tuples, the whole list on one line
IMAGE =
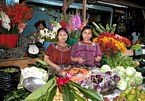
[(88, 52)]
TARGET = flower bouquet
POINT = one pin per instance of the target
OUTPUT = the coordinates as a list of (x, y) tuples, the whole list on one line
[(47, 36), (74, 24), (113, 46), (13, 18), (12, 21)]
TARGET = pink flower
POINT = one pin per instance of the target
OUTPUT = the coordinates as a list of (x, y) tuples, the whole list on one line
[(21, 27), (75, 22)]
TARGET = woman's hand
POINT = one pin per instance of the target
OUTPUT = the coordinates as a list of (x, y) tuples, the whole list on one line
[(58, 68), (98, 58), (80, 60)]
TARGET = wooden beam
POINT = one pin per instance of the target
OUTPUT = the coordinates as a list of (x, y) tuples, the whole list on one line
[(125, 3), (84, 10), (69, 2)]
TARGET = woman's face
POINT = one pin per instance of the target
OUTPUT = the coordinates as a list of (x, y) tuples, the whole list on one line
[(87, 34), (62, 36), (40, 27)]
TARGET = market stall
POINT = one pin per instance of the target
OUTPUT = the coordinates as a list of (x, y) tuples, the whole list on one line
[(120, 77)]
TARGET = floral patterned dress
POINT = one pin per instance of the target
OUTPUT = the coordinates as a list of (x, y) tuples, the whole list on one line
[(88, 52)]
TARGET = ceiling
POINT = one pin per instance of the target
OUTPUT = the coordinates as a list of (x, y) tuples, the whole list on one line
[(130, 3)]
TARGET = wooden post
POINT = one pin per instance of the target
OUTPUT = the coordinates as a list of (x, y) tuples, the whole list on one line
[(66, 4), (84, 10), (64, 8)]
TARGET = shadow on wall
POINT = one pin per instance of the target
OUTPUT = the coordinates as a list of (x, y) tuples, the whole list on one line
[(37, 15)]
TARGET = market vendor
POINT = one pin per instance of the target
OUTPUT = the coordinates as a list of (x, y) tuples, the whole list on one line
[(35, 37), (58, 54), (86, 52)]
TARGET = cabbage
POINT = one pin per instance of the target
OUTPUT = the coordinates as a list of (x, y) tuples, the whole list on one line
[(120, 68), (130, 71), (138, 78), (122, 85), (105, 68)]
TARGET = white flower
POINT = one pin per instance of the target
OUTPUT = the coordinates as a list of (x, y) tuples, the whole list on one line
[(5, 20)]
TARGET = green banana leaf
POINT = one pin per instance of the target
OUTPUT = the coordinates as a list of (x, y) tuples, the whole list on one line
[(43, 91), (67, 93), (91, 94)]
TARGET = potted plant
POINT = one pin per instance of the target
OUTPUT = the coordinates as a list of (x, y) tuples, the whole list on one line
[(12, 22)]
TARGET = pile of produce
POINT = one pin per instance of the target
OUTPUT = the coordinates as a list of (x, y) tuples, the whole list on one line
[(103, 81), (133, 94), (129, 77)]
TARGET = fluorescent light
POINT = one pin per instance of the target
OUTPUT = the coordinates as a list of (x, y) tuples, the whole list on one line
[(112, 4)]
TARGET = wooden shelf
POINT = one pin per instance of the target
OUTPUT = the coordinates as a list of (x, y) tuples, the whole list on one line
[(21, 62)]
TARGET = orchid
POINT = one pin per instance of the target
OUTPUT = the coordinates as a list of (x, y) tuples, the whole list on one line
[(49, 35), (5, 20)]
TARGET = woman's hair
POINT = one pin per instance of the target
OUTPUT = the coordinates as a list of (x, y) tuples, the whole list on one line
[(85, 28), (61, 29), (40, 22)]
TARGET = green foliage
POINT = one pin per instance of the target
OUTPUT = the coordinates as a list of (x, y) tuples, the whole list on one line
[(88, 93), (98, 28), (44, 92), (48, 91), (119, 60)]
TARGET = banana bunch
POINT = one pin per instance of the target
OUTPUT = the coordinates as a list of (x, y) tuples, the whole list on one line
[(133, 94), (100, 29)]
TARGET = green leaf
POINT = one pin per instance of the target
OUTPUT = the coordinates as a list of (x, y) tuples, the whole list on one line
[(113, 28), (67, 93), (91, 94), (42, 91), (95, 32), (52, 94), (107, 28), (102, 28), (97, 27), (77, 96), (42, 62)]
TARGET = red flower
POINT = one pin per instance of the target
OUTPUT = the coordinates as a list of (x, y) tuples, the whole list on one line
[(63, 80), (63, 24)]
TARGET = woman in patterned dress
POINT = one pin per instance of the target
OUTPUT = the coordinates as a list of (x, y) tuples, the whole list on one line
[(86, 52), (58, 54)]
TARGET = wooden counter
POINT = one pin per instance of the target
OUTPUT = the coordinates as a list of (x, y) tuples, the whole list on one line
[(21, 62)]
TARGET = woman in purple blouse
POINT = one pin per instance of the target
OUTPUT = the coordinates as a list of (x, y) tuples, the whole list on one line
[(85, 52)]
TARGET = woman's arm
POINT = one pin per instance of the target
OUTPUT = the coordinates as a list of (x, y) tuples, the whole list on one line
[(77, 59), (47, 60), (98, 53)]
